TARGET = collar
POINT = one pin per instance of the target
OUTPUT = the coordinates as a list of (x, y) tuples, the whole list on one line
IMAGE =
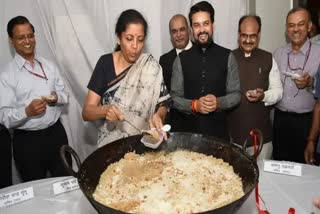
[(247, 55), (189, 45), (303, 49), (20, 61), (201, 49)]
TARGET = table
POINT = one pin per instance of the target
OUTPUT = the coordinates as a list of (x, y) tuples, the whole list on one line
[(280, 192)]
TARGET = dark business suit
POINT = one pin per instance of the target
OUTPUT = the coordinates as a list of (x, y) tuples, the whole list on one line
[(166, 62), (5, 158)]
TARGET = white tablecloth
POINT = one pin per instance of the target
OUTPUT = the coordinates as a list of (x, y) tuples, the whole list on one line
[(280, 192)]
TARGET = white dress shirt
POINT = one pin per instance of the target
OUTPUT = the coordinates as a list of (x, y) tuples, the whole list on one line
[(275, 89), (20, 83), (189, 45)]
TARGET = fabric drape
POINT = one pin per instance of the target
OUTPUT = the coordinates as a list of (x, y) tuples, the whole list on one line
[(137, 97), (75, 33)]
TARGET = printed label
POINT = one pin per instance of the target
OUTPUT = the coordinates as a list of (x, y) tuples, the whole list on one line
[(15, 197), (286, 168), (65, 186)]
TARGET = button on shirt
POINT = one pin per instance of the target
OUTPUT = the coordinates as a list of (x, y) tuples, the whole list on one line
[(294, 99), (18, 87), (274, 92), (231, 98)]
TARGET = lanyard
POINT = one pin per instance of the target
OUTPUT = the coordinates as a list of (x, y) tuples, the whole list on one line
[(38, 75), (305, 60)]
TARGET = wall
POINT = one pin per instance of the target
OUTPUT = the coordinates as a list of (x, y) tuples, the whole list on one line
[(273, 14)]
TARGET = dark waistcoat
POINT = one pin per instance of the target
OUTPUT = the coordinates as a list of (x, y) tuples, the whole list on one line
[(166, 62), (253, 73), (204, 72)]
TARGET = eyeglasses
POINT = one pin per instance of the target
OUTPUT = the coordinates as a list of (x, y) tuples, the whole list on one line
[(250, 36), (305, 60), (21, 38)]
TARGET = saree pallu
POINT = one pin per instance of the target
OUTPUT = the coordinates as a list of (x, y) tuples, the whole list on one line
[(137, 95)]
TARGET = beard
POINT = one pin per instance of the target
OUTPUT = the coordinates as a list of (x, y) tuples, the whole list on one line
[(204, 44)]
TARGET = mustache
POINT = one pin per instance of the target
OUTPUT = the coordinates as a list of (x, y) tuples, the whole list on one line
[(248, 43), (203, 33)]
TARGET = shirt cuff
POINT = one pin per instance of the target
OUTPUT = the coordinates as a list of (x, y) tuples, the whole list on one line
[(62, 98), (186, 107), (267, 98), (22, 113), (222, 104)]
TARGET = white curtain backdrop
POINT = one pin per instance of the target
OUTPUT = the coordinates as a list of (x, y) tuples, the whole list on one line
[(75, 33)]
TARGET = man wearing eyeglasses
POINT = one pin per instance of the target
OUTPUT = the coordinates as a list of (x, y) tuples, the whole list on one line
[(298, 62), (260, 87), (32, 94)]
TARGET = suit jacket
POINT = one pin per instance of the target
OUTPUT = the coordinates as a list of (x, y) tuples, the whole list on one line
[(166, 62)]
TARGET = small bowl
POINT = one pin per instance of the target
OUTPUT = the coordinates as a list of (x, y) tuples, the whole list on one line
[(149, 141)]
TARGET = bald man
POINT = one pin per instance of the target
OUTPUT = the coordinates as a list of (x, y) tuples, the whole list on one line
[(293, 113), (179, 34), (260, 85)]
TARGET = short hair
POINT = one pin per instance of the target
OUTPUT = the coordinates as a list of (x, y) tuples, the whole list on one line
[(255, 17), (18, 20), (201, 6), (127, 17), (176, 16), (293, 10)]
